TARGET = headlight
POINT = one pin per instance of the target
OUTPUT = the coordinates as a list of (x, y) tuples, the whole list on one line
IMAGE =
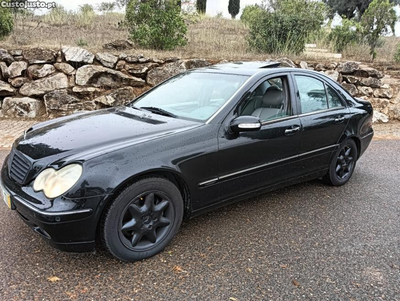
[(57, 182)]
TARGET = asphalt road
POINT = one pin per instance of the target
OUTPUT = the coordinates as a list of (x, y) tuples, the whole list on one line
[(306, 242)]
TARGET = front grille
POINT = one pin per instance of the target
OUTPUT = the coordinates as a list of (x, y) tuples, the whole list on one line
[(19, 167)]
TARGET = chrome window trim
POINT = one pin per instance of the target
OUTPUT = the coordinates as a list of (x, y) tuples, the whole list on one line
[(212, 181), (321, 111)]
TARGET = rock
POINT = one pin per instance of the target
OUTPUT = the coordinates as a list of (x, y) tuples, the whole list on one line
[(16, 68), (40, 71), (64, 67), (99, 76), (118, 97), (371, 82), (18, 81), (16, 52), (44, 85), (331, 66), (352, 89), (303, 65), (196, 63), (158, 61), (6, 57), (351, 79), (285, 62), (5, 73), (379, 117), (319, 67), (133, 58), (6, 89), (107, 59), (348, 67), (139, 69), (60, 103), (77, 55), (365, 91), (122, 56), (39, 55), (118, 45), (25, 107), (383, 93), (366, 71), (86, 91), (120, 65), (160, 74), (144, 60), (171, 59), (333, 74)]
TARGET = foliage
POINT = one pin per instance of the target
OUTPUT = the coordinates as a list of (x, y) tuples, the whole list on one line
[(81, 42), (106, 7), (57, 16), (234, 8), (85, 15), (350, 8), (285, 25), (156, 24), (378, 19), (6, 22), (250, 13), (344, 35), (397, 55), (201, 6)]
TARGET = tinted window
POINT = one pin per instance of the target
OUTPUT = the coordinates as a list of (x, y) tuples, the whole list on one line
[(333, 98), (312, 94), (270, 100)]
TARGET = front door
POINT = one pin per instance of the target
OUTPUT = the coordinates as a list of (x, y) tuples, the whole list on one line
[(249, 161)]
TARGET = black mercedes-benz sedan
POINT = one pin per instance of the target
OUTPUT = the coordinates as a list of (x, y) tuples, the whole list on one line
[(128, 176)]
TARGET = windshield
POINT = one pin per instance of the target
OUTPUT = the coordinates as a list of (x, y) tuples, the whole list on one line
[(191, 95)]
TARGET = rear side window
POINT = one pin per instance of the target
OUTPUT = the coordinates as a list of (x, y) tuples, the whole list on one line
[(333, 98), (312, 94)]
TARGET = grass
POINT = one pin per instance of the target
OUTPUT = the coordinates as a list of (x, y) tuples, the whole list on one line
[(210, 38)]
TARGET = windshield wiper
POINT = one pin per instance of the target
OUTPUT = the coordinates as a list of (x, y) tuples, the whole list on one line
[(159, 111)]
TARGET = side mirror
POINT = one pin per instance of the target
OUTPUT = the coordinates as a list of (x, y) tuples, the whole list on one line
[(245, 124)]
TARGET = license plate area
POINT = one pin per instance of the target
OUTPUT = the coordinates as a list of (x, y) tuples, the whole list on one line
[(6, 196)]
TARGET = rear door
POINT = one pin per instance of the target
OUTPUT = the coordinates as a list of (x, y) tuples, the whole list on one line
[(323, 116)]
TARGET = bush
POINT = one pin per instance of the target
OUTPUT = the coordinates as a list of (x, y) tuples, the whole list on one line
[(397, 55), (285, 25), (85, 15), (156, 25), (6, 22), (58, 16), (278, 33), (250, 13), (344, 35)]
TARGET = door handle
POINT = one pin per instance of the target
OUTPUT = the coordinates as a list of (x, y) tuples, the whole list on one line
[(339, 119), (293, 130)]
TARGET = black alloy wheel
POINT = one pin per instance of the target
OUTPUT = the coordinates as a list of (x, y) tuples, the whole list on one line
[(143, 219), (343, 164)]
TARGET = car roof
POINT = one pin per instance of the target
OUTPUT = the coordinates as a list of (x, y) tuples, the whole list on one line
[(245, 68)]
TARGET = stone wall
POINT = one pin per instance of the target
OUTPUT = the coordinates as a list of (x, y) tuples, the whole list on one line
[(45, 83)]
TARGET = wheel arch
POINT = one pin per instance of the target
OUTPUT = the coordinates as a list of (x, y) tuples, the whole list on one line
[(356, 140)]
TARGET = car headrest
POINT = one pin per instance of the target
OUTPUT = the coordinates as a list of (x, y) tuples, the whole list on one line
[(273, 96)]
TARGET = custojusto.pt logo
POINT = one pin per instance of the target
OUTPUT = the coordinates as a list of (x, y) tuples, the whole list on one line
[(27, 4)]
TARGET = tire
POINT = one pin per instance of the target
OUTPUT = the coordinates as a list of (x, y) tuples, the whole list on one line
[(343, 164), (142, 220)]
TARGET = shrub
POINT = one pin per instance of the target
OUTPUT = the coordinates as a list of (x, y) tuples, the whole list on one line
[(344, 35), (57, 16), (250, 13), (85, 15), (156, 25), (397, 55), (6, 22)]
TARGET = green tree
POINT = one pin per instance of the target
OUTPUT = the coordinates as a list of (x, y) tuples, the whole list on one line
[(106, 7), (6, 22), (250, 13), (378, 19), (344, 35), (156, 24), (349, 8), (234, 8), (201, 6)]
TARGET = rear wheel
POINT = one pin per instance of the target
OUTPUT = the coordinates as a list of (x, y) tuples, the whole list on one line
[(342, 165), (143, 219)]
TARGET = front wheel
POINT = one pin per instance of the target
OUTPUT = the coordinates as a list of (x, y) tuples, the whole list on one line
[(342, 165), (143, 219)]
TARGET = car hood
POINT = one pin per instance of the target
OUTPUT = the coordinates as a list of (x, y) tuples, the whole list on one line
[(97, 132)]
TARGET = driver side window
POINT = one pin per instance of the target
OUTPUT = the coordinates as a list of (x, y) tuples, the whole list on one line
[(269, 101)]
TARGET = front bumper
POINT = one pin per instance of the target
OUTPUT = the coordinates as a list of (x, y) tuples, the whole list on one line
[(70, 227)]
